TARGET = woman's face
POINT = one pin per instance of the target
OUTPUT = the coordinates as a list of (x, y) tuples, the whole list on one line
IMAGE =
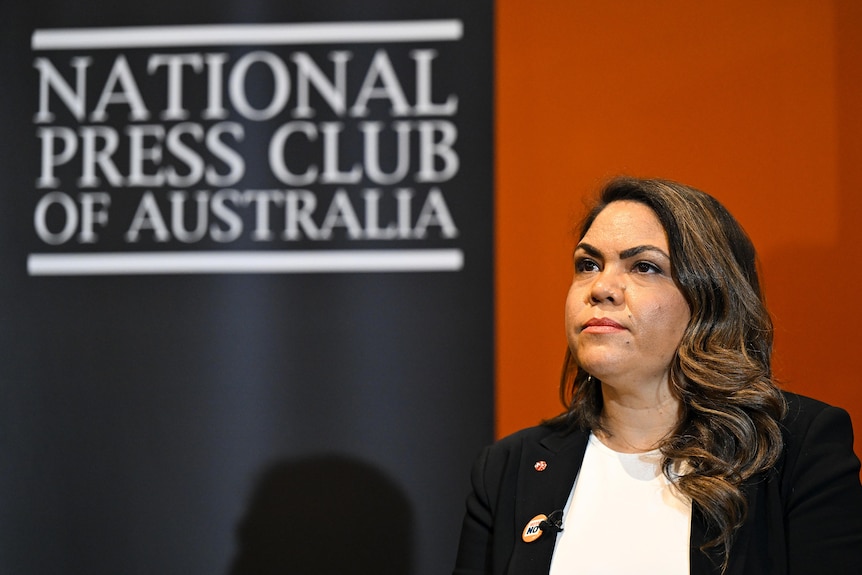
[(625, 316)]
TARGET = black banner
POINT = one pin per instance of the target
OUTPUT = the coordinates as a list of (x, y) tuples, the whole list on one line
[(247, 321)]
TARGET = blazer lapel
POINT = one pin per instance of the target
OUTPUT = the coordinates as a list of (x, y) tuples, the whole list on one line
[(709, 563), (701, 563), (545, 477)]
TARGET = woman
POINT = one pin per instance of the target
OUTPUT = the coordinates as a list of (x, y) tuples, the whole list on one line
[(676, 453)]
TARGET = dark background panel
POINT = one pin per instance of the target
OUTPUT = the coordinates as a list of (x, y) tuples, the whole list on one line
[(196, 423)]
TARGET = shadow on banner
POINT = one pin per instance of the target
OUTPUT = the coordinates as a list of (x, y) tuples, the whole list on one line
[(327, 515)]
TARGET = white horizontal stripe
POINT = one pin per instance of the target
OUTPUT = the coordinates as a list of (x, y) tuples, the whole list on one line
[(246, 34), (144, 263)]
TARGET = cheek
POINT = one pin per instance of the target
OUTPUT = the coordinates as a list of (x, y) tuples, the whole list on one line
[(674, 318), (573, 307)]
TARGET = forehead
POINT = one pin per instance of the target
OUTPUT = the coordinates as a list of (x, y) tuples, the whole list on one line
[(626, 224)]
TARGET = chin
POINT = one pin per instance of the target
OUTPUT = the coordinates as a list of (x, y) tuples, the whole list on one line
[(598, 361)]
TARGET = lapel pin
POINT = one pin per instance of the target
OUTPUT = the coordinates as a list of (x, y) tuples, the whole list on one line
[(541, 465), (533, 530), (537, 524)]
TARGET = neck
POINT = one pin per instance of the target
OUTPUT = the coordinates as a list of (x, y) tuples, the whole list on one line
[(635, 424)]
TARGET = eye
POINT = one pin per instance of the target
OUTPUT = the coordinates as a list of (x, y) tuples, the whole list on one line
[(643, 267), (586, 265)]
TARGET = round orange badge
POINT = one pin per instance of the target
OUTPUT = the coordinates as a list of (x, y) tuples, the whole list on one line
[(533, 530)]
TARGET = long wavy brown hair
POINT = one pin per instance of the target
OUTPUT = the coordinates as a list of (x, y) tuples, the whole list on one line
[(729, 430)]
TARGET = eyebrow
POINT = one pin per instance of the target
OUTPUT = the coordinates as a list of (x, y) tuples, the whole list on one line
[(625, 254)]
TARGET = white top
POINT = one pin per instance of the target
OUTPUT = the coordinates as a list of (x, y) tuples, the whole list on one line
[(622, 517)]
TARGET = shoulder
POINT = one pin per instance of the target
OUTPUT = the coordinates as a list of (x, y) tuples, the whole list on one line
[(530, 435), (502, 457), (801, 405), (819, 435), (806, 414), (544, 437), (819, 489), (511, 446)]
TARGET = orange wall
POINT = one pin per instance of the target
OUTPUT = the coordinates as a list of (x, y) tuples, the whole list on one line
[(758, 103)]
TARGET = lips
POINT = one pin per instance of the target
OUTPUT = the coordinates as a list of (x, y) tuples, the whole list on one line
[(602, 325)]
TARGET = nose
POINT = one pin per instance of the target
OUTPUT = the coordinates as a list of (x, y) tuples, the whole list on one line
[(606, 287)]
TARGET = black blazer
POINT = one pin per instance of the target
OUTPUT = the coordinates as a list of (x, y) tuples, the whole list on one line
[(804, 516)]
